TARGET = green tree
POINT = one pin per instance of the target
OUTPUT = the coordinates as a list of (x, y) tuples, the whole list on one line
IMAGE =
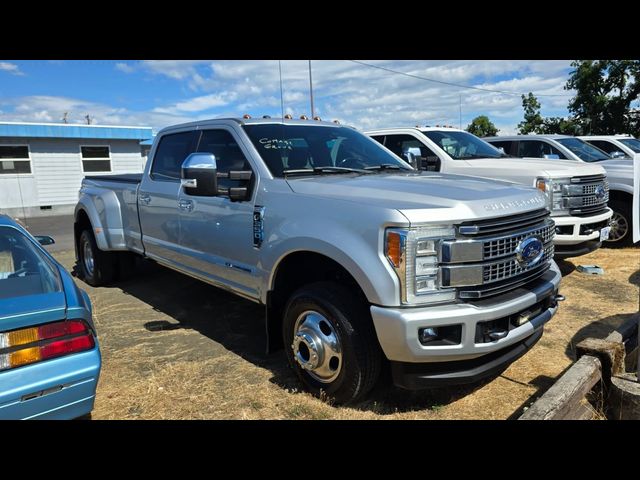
[(561, 125), (481, 126), (533, 121), (604, 92)]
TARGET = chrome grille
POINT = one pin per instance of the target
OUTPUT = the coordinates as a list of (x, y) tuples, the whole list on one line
[(579, 197), (485, 264), (591, 201), (503, 246), (498, 271)]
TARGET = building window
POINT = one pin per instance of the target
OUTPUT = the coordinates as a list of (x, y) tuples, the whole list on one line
[(14, 159), (96, 159)]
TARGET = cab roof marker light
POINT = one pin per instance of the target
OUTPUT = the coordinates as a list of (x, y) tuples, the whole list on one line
[(304, 117), (288, 116), (246, 116)]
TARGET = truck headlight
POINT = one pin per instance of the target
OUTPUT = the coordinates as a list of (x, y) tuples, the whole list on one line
[(553, 190), (414, 254)]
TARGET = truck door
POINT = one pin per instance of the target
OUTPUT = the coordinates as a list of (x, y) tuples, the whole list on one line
[(216, 234), (158, 197)]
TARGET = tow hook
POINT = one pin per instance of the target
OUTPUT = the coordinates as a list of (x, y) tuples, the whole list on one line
[(556, 299)]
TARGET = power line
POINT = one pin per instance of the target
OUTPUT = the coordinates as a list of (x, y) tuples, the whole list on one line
[(504, 92)]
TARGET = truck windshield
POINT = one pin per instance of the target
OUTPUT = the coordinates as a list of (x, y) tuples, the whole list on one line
[(463, 145), (632, 143), (583, 150), (324, 148)]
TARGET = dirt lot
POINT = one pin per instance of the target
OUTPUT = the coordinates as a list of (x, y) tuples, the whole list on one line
[(174, 348)]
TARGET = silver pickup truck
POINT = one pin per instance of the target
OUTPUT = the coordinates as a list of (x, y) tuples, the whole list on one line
[(576, 149), (357, 257)]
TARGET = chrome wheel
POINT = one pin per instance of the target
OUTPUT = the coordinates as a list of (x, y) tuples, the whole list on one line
[(316, 346), (619, 227), (87, 258)]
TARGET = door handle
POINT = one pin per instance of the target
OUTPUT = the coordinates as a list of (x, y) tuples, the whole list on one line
[(186, 205), (144, 198)]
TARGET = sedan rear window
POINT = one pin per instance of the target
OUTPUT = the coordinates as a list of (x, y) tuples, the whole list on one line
[(24, 269)]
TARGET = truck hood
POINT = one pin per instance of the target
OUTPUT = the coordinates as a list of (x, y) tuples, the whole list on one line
[(618, 167), (517, 168), (424, 196)]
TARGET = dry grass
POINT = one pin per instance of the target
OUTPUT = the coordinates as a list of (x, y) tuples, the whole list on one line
[(174, 348)]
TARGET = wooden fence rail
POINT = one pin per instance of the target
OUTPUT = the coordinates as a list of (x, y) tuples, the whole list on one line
[(598, 361)]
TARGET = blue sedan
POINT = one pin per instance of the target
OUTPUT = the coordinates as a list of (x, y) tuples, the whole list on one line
[(49, 355)]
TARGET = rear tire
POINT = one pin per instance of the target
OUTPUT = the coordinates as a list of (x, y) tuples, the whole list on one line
[(346, 365), (621, 225), (96, 267)]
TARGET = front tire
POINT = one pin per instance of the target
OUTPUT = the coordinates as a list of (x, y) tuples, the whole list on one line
[(331, 343), (96, 267), (621, 225)]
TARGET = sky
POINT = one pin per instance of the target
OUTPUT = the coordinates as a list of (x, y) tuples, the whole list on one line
[(158, 93)]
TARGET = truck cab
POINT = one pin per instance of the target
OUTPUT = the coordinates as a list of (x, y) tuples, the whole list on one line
[(577, 197)]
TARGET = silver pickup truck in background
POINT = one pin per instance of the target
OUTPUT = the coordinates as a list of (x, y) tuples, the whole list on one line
[(554, 148), (577, 195), (357, 257)]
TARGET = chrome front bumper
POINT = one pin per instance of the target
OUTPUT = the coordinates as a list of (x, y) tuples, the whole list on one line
[(397, 328)]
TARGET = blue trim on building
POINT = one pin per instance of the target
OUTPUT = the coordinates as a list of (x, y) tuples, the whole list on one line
[(74, 131), (148, 142)]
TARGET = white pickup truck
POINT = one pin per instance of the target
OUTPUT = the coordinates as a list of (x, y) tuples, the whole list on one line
[(577, 194)]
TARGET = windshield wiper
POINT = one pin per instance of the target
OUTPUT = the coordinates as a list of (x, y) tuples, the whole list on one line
[(322, 170), (385, 166)]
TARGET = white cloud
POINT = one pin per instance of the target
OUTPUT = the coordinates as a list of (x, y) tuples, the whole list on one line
[(11, 68), (176, 69), (354, 94), (124, 67), (198, 104)]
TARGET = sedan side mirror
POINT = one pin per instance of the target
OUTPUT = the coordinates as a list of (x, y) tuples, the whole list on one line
[(44, 239), (200, 175)]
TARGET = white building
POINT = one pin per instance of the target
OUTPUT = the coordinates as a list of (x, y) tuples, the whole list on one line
[(42, 164)]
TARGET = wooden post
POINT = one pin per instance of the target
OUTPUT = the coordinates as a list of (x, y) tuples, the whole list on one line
[(638, 348)]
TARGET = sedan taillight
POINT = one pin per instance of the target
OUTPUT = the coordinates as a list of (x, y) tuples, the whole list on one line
[(31, 345)]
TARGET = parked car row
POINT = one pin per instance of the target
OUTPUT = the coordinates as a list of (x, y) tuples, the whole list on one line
[(576, 195), (427, 248)]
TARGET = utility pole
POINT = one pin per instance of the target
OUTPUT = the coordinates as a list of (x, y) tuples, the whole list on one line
[(311, 90)]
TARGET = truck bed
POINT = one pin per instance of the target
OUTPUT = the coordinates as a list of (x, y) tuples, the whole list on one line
[(124, 178)]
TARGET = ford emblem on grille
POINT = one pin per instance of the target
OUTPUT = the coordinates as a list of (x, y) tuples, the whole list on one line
[(529, 251), (600, 192)]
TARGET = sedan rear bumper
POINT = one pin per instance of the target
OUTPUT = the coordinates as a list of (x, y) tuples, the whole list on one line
[(57, 389)]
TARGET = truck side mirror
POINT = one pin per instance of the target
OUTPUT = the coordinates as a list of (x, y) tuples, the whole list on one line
[(617, 154), (199, 175), (431, 163), (552, 156), (409, 158)]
